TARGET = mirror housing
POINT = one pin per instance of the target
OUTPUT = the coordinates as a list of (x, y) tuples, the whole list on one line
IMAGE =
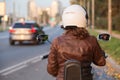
[(104, 37), (42, 37)]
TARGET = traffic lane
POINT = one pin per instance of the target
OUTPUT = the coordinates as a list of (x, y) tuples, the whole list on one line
[(36, 71), (99, 72), (12, 55), (18, 54), (4, 34), (54, 32)]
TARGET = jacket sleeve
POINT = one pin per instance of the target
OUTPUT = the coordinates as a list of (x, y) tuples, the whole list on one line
[(98, 54), (52, 67)]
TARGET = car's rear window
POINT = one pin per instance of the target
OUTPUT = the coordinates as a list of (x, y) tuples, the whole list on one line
[(21, 25)]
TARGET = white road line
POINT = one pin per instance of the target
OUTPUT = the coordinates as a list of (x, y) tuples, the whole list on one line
[(9, 68), (16, 67), (37, 60), (13, 70), (23, 64)]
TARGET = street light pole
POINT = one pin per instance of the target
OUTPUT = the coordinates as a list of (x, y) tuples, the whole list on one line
[(14, 11), (110, 16), (4, 22)]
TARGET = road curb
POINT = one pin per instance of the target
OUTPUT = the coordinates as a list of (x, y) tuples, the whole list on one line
[(111, 61), (113, 64)]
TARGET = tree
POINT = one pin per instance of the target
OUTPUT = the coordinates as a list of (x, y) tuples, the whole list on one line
[(74, 2), (101, 12)]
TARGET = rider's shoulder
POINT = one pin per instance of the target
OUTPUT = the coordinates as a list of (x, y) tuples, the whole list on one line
[(93, 38)]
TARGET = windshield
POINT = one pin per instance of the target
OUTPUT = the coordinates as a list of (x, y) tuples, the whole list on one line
[(20, 25)]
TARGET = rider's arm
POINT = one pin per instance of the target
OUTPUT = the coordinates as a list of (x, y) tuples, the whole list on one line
[(98, 54), (52, 66)]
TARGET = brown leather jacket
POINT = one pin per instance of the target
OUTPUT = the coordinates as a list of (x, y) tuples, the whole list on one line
[(67, 47)]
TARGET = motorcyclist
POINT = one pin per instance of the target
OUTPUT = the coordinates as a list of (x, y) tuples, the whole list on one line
[(75, 43)]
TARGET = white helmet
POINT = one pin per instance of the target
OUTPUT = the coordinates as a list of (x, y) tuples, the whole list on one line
[(74, 15)]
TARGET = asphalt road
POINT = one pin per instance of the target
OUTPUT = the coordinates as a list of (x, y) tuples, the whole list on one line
[(19, 54), (24, 62), (36, 71)]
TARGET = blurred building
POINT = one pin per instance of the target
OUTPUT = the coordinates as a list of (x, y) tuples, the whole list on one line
[(44, 14), (2, 10), (32, 10), (56, 10), (36, 13)]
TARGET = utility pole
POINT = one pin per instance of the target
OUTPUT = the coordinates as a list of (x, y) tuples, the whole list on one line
[(4, 16), (88, 11), (14, 11), (85, 5), (110, 16), (93, 14)]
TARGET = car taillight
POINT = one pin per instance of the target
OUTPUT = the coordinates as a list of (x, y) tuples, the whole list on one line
[(11, 30), (33, 30)]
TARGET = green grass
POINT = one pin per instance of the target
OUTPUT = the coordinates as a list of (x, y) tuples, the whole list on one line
[(118, 32), (111, 47)]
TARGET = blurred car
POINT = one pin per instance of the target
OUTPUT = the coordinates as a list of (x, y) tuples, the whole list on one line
[(25, 31)]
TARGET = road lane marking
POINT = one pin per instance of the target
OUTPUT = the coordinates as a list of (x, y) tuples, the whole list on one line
[(20, 65), (9, 68), (13, 70), (37, 60), (32, 60)]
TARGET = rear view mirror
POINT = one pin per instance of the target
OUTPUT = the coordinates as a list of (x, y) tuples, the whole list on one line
[(62, 26), (104, 36), (42, 37)]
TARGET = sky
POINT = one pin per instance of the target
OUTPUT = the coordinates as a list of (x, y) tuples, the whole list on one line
[(21, 5)]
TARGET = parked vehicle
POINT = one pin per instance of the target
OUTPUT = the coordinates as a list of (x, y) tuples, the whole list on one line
[(25, 31)]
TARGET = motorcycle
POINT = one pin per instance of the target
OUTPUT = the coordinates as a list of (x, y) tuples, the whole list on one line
[(72, 68)]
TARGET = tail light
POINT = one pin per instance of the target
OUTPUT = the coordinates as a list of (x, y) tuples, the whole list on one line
[(11, 30), (33, 30)]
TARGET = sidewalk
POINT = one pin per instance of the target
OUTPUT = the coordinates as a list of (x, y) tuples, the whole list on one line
[(113, 64)]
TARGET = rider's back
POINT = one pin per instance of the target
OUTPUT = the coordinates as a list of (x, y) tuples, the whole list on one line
[(86, 51)]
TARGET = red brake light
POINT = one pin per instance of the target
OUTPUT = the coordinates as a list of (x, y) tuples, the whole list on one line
[(11, 30), (33, 30)]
